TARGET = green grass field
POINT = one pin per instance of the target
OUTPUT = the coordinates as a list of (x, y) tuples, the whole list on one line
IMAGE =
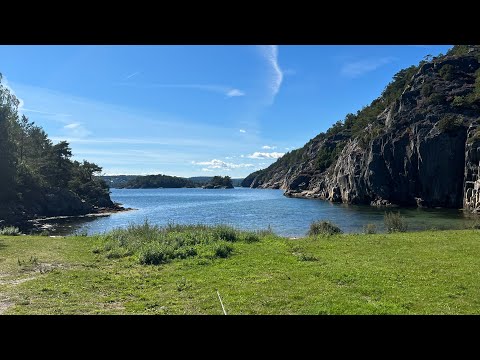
[(434, 272)]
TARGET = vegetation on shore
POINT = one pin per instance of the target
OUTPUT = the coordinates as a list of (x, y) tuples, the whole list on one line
[(156, 181), (430, 272), (164, 181), (38, 177)]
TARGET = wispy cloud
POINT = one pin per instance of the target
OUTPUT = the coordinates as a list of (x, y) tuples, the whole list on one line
[(243, 131), (265, 155), (138, 141), (132, 75), (76, 130), (270, 52), (44, 112), (267, 147), (235, 92), (220, 89), (219, 164), (357, 68)]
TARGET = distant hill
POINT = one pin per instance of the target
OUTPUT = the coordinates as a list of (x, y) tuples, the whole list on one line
[(158, 181), (155, 182), (117, 181)]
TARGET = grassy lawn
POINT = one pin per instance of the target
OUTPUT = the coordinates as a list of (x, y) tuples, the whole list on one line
[(435, 272)]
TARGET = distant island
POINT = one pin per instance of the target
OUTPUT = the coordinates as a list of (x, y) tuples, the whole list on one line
[(218, 182), (168, 182)]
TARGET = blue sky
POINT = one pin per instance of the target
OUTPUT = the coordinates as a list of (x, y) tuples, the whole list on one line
[(196, 110)]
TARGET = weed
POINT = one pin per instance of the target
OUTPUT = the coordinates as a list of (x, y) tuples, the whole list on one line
[(323, 228)]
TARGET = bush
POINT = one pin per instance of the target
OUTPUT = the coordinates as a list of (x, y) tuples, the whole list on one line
[(427, 90), (222, 250), (436, 99), (155, 255), (323, 228), (459, 101), (251, 237), (227, 233), (447, 72), (370, 229), (265, 232), (10, 231), (449, 123), (307, 257), (394, 222)]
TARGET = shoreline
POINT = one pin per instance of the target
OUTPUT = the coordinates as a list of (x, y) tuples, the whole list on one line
[(39, 224)]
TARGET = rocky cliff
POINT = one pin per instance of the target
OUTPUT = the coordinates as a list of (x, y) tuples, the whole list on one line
[(417, 144)]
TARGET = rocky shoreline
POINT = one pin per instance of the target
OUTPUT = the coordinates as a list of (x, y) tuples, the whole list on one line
[(44, 223), (422, 150)]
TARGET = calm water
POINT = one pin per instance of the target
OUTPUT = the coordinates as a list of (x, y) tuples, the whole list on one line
[(251, 209)]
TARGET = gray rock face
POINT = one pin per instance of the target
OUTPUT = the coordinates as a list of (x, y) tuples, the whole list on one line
[(471, 186), (414, 161)]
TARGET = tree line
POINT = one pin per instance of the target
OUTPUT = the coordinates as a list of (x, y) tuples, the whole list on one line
[(31, 165)]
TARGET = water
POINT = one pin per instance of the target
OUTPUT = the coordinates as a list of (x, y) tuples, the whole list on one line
[(252, 209)]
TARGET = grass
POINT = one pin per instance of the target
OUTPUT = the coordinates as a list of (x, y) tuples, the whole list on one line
[(432, 272)]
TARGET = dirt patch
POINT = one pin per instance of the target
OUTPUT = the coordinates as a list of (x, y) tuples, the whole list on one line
[(4, 305), (16, 281)]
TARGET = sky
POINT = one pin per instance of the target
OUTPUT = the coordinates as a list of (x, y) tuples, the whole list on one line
[(196, 110)]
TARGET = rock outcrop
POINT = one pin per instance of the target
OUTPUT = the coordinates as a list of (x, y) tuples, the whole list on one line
[(422, 149)]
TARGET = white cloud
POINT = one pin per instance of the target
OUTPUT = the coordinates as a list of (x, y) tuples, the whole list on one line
[(265, 155), (270, 52), (235, 92), (132, 75), (225, 90), (242, 131), (219, 164), (76, 130), (358, 68), (266, 147), (72, 126), (205, 169)]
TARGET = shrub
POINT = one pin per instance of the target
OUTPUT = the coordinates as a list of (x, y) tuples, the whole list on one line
[(155, 255), (449, 123), (459, 101), (427, 90), (436, 99), (323, 228), (307, 257), (265, 232), (227, 233), (222, 250), (370, 229), (251, 237), (10, 231), (394, 222), (447, 72)]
